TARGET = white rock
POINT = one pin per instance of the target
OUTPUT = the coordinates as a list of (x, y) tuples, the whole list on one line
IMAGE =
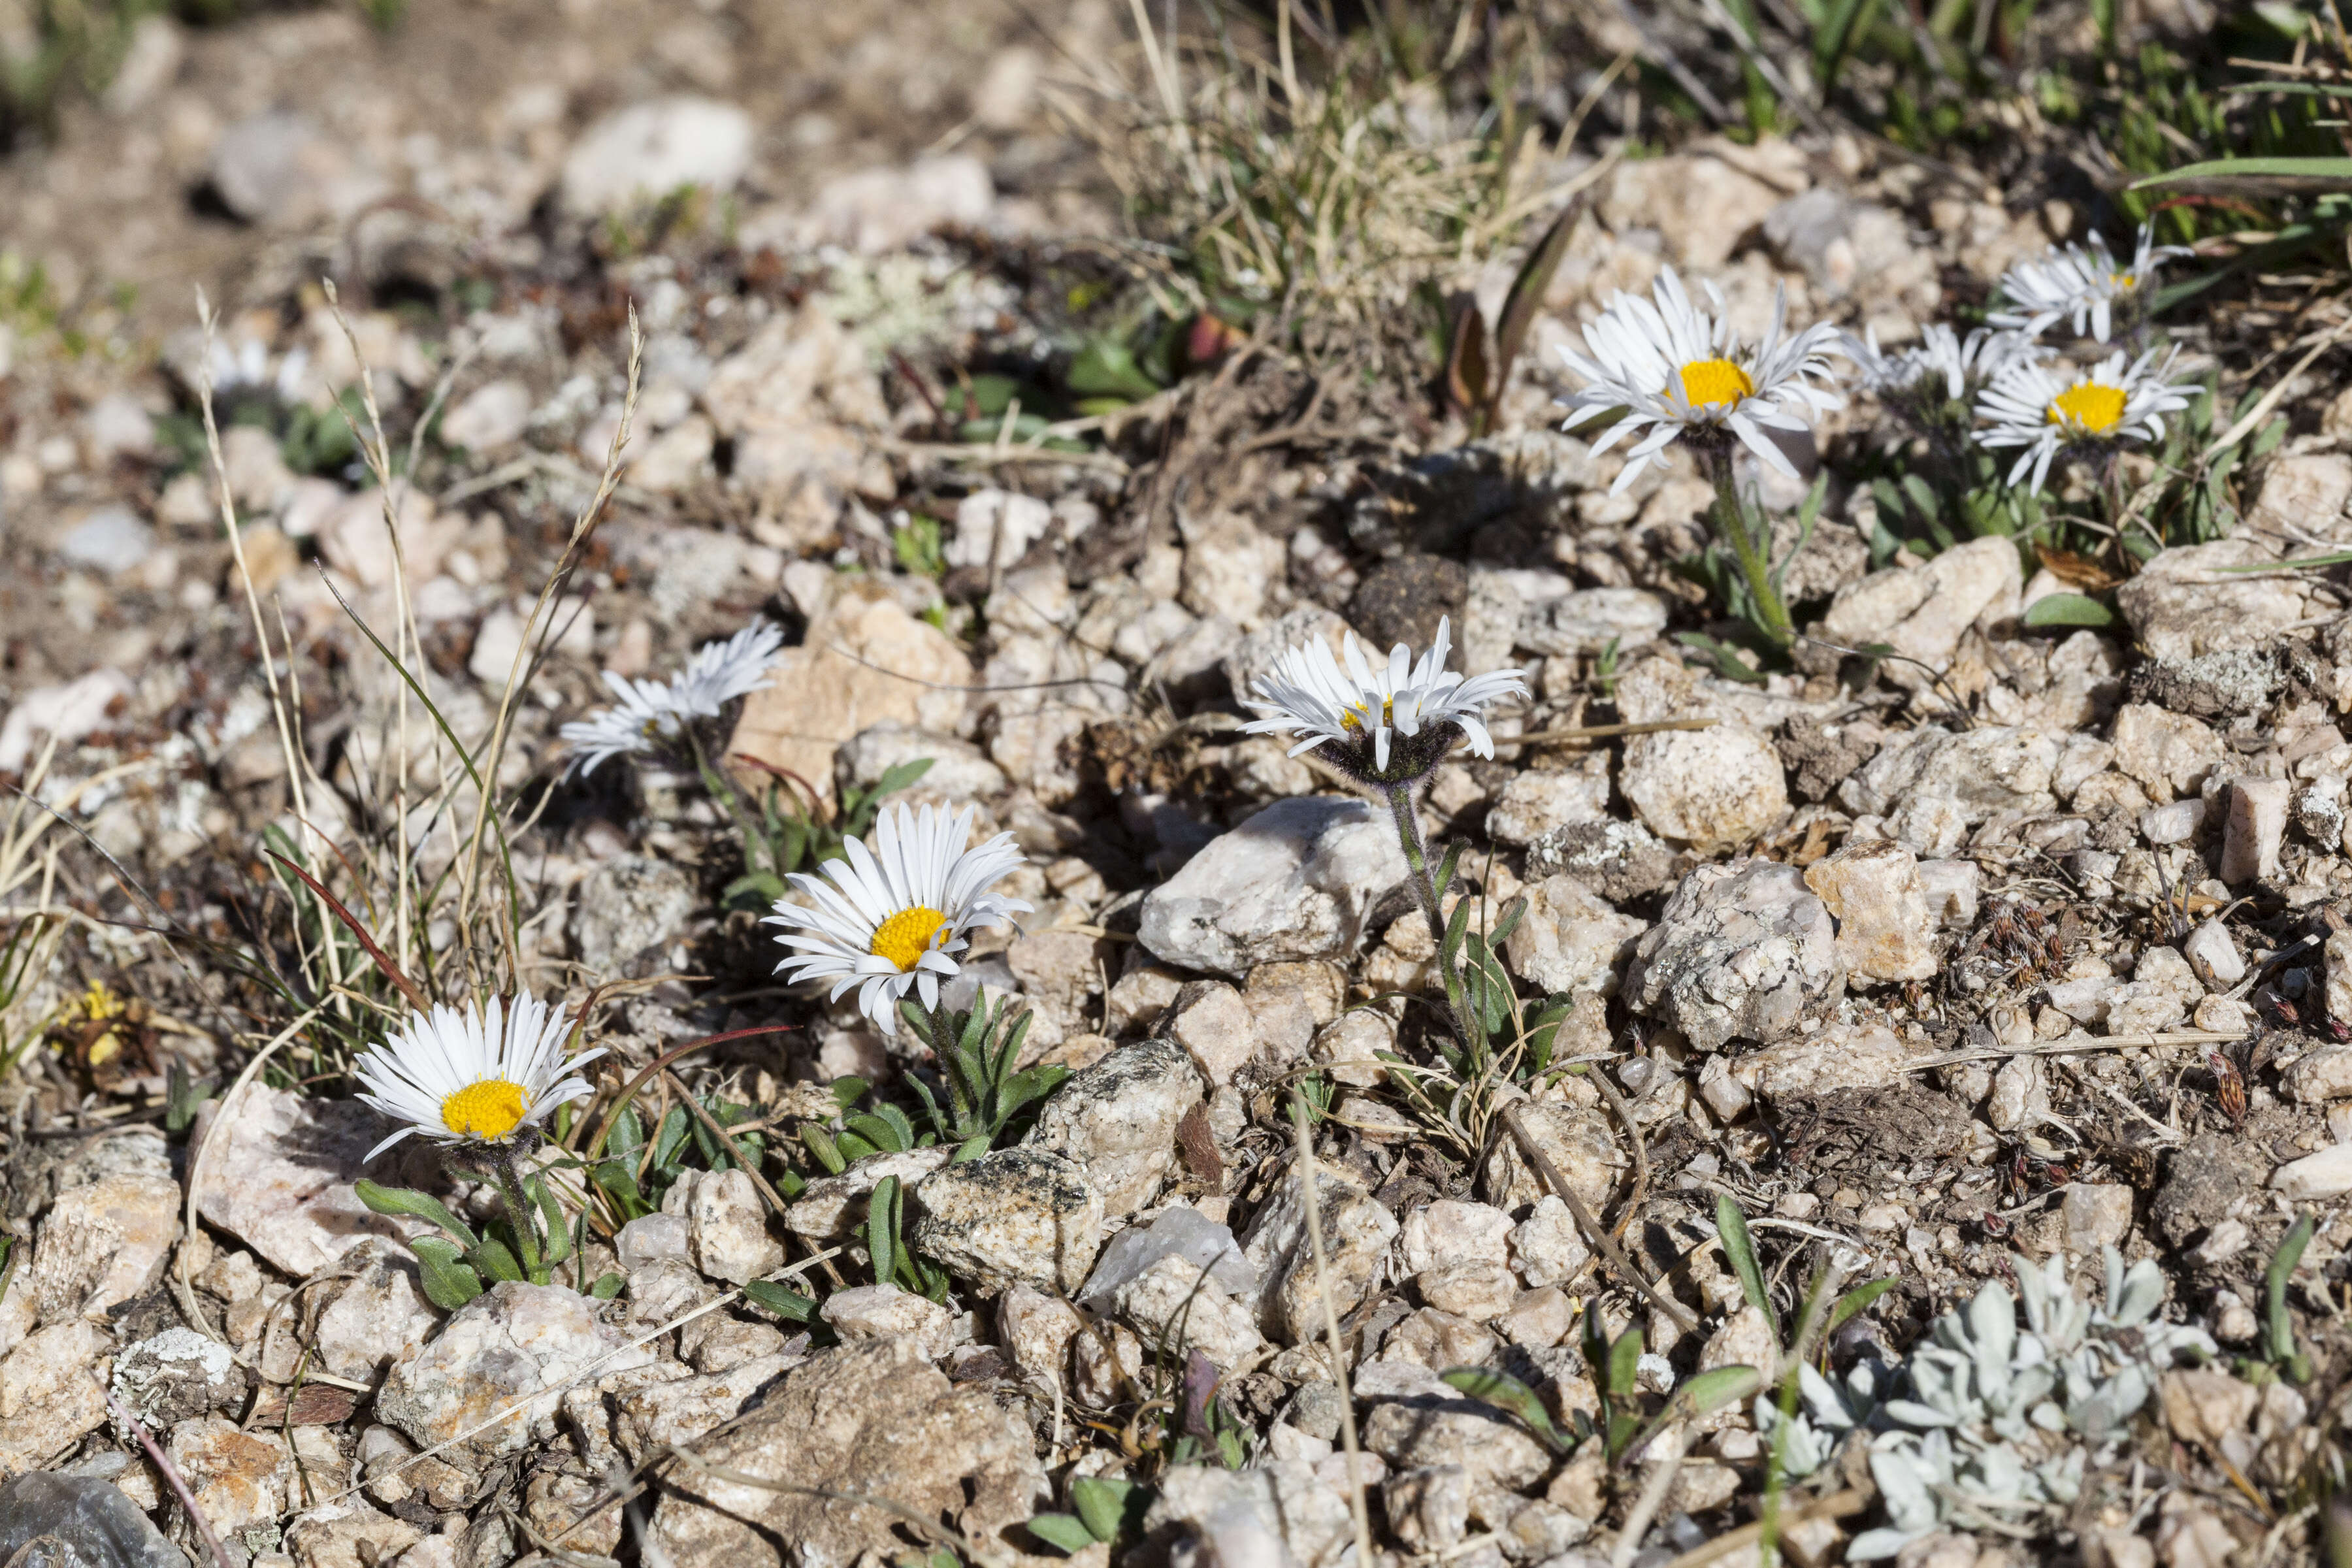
[(1841, 1056), (2184, 602), (2321, 1074), (650, 149), (1886, 930), (278, 1176), (52, 1392), (379, 1317), (959, 771), (103, 1243), (1922, 612), (2214, 955), (1115, 1120), (2338, 957), (1570, 940), (727, 1225), (1024, 1216), (1935, 786), (1178, 1306), (1181, 1231), (2095, 1215), (490, 418), (1281, 1513), (1588, 620), (1739, 950), (629, 906), (513, 1347), (1575, 1141), (2174, 824), (886, 1313), (1951, 887), (996, 528), (1356, 1235), (1448, 1232), (832, 1208), (1255, 655), (1710, 788), (1546, 1247), (876, 210), (1036, 1330), (1295, 881), (1538, 800), (70, 712), (239, 1478), (2256, 827), (354, 538), (2327, 1174), (110, 539)]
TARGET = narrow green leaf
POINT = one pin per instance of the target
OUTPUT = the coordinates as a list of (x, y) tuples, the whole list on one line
[(788, 1304), (1857, 1300), (2271, 176), (671, 1134), (607, 1285), (852, 1147), (493, 1258), (1506, 1393), (1718, 1386), (2281, 1346), (410, 1203), (448, 1283), (1456, 929), (1062, 1530), (2332, 558), (882, 1228), (1446, 867), (1508, 923), (1731, 1225), (847, 1092), (1624, 1363), (1527, 291), (559, 1233), (2067, 610)]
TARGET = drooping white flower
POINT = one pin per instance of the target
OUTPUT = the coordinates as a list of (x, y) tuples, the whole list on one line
[(1678, 372), (2040, 407), (2082, 287), (891, 918), (647, 714), (1940, 359), (1384, 723), (473, 1077)]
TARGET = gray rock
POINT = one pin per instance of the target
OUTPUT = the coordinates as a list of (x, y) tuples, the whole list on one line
[(1431, 1425), (93, 1523), (514, 1347), (1024, 1216), (1356, 1235), (649, 150), (2230, 683), (1574, 1138), (1116, 1120), (630, 903), (873, 1418), (2184, 602), (376, 1318), (1588, 619), (959, 771), (831, 1208), (278, 1176), (1740, 950), (886, 1313), (111, 539), (650, 1237), (1179, 1231), (1935, 786), (727, 1223), (266, 168), (1568, 939), (1619, 861), (174, 1375), (1178, 1306), (1253, 658), (1402, 600), (1296, 880), (1542, 801), (1280, 1512)]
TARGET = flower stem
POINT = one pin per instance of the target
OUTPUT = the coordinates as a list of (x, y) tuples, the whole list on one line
[(715, 781), (521, 1217), (1731, 522), (944, 1045), (1424, 884)]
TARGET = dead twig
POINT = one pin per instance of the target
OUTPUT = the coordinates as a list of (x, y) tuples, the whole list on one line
[(172, 1477), (1306, 1176)]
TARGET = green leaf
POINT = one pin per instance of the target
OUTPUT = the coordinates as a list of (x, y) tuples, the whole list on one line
[(2280, 1345), (882, 1228), (1731, 1225), (854, 1147), (1506, 1393), (1063, 1530), (1718, 1386), (493, 1257), (1455, 929), (901, 775), (787, 1304), (1508, 923), (1110, 1506), (2261, 176), (1625, 1363), (1106, 367), (409, 1202), (671, 1134), (607, 1285), (847, 1092), (1857, 1300), (1447, 867), (2332, 558), (1527, 291), (819, 1142), (448, 1283), (559, 1233), (2067, 610)]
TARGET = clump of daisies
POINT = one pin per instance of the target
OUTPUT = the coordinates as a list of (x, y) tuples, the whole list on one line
[(890, 921), (657, 718), (1932, 384), (1385, 728), (481, 1081), (1668, 373)]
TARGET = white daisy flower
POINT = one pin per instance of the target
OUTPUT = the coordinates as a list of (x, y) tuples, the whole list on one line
[(473, 1077), (1962, 365), (1414, 711), (1677, 371), (891, 918), (2079, 287), (2043, 407), (648, 715)]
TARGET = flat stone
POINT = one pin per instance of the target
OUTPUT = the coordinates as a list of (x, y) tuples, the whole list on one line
[(1277, 1512), (1886, 930), (1024, 1215), (1116, 1120), (112, 539), (2327, 1174), (1288, 1302), (278, 1176), (885, 1313), (103, 1244), (1739, 951), (648, 150), (1842, 1056), (513, 1347), (93, 1521), (1296, 881)]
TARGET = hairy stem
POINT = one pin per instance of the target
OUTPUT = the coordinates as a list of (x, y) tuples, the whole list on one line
[(1424, 884), (1731, 524), (521, 1217), (944, 1045)]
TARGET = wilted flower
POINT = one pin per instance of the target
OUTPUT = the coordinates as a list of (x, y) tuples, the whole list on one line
[(649, 715), (1385, 724)]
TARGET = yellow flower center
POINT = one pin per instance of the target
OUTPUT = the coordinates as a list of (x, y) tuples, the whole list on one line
[(1715, 381), (491, 1109), (1357, 718), (2089, 407), (905, 937), (2126, 280)]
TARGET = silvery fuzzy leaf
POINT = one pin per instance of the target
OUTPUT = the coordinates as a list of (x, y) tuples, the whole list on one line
[(2000, 1473), (2133, 1298), (2047, 1417), (2061, 1478), (1905, 1485), (1911, 1413), (1992, 1329), (1823, 1400), (1876, 1545), (2033, 1286)]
